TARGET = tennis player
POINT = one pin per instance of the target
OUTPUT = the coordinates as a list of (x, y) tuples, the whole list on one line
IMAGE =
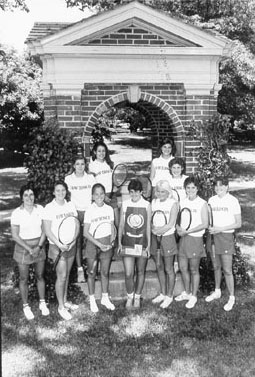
[(26, 229), (97, 213), (177, 176), (101, 166), (54, 213), (226, 218), (191, 247), (135, 232), (159, 165), (164, 202), (79, 184)]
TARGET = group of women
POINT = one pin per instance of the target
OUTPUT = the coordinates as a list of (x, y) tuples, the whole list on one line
[(92, 202)]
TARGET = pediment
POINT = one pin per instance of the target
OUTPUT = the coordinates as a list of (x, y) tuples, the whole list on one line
[(133, 32), (127, 26)]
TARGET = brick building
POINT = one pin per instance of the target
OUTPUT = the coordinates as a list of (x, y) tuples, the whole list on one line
[(135, 55)]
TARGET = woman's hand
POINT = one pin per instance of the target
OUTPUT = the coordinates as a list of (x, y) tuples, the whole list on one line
[(181, 231), (148, 251), (119, 249)]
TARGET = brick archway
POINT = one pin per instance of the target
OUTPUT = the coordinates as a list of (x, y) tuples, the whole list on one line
[(169, 125)]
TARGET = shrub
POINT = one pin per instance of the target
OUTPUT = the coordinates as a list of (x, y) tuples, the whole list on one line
[(50, 157)]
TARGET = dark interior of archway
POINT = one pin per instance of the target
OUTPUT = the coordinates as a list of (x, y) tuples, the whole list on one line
[(133, 133)]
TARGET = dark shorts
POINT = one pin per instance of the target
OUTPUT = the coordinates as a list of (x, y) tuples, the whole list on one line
[(224, 243), (168, 245), (81, 216), (54, 250), (22, 256), (93, 252), (191, 247)]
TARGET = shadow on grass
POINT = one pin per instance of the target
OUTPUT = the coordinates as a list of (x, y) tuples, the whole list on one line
[(121, 343)]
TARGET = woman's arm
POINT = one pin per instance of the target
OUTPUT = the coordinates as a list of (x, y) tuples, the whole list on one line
[(218, 229), (52, 237), (203, 225), (15, 236), (153, 172), (120, 230), (171, 223), (148, 230)]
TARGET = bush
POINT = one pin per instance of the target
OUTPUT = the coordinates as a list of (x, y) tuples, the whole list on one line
[(50, 158)]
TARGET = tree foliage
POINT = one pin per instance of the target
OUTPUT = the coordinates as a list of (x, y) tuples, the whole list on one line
[(50, 157), (21, 104), (10, 5)]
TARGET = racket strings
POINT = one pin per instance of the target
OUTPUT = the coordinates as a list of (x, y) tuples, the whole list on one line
[(68, 230), (119, 175), (159, 219), (185, 218)]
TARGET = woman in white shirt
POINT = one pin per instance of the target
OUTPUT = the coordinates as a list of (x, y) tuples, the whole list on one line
[(159, 165), (26, 228), (79, 185), (226, 212), (54, 213)]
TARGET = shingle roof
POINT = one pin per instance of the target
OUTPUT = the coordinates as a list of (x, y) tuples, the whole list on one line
[(42, 29)]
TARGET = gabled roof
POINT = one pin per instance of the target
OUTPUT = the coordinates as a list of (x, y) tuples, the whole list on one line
[(123, 22)]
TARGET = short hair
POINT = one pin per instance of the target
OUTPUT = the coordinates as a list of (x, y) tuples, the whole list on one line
[(191, 179), (222, 180), (164, 185), (135, 184), (97, 185), (164, 141), (26, 187), (177, 161), (62, 183)]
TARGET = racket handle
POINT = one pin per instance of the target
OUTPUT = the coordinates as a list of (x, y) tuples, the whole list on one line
[(158, 258), (57, 260)]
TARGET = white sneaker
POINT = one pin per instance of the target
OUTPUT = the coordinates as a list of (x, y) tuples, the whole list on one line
[(229, 305), (213, 296), (107, 303), (137, 302), (44, 309), (80, 276), (167, 301), (71, 306), (64, 314), (28, 312), (191, 303), (129, 302), (158, 299), (93, 305), (183, 296)]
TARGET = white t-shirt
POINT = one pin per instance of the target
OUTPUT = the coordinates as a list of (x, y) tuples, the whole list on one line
[(96, 215), (224, 210), (30, 224), (177, 184), (165, 206), (80, 189), (196, 209), (161, 167), (56, 213), (103, 173)]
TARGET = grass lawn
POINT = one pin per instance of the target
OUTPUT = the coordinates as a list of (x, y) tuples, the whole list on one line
[(203, 342)]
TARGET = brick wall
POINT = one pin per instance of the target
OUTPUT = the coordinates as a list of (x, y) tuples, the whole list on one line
[(167, 108)]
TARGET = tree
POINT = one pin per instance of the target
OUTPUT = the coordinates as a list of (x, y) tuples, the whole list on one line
[(21, 103), (10, 5)]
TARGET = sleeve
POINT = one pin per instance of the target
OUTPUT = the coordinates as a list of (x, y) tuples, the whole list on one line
[(15, 218), (73, 208), (46, 214), (111, 214), (92, 167)]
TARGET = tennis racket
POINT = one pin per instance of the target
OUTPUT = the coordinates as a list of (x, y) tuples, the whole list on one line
[(247, 236), (105, 233), (158, 220), (147, 186), (68, 231), (184, 218), (119, 176), (210, 211)]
